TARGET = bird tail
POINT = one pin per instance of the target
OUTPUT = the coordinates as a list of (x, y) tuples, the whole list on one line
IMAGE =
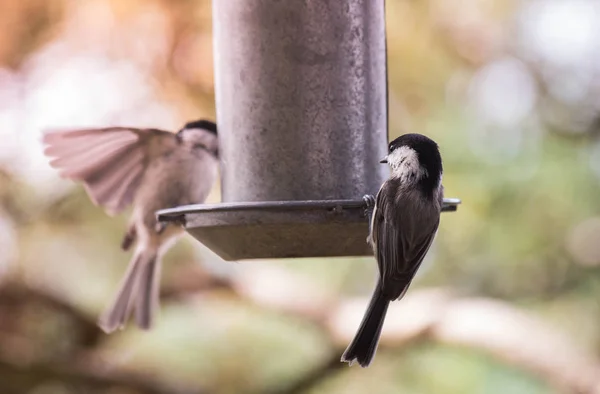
[(364, 345), (138, 290)]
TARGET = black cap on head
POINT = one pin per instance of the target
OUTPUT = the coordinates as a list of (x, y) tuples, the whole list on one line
[(202, 124), (418, 142)]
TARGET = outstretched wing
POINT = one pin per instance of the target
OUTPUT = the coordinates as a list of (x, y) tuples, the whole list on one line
[(402, 236), (109, 161)]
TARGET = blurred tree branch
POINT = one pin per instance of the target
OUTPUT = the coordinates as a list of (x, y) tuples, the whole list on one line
[(20, 379), (494, 327), (506, 333), (15, 296), (21, 369)]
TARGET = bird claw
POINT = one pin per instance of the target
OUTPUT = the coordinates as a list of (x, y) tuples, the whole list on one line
[(369, 201), (160, 227), (180, 220)]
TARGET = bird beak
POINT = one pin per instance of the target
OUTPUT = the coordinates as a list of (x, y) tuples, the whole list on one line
[(384, 160)]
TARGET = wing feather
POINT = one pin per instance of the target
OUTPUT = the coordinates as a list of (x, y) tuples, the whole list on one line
[(402, 240), (125, 193), (74, 155), (104, 184), (110, 162)]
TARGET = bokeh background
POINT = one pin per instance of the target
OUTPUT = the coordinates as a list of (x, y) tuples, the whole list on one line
[(508, 300)]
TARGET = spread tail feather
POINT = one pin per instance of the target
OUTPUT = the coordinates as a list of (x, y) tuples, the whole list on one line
[(364, 345), (138, 289)]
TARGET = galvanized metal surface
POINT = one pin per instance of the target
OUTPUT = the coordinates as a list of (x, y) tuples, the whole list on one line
[(301, 98), (280, 229)]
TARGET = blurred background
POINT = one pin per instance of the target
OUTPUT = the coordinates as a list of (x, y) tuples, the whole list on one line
[(508, 300)]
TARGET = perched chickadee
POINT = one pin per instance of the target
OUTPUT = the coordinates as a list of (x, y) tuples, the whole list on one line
[(404, 219), (153, 169)]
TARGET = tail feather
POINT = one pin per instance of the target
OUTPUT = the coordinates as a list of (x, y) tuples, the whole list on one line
[(137, 283), (146, 301), (364, 345)]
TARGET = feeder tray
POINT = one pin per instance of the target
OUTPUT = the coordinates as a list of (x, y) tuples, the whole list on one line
[(280, 229)]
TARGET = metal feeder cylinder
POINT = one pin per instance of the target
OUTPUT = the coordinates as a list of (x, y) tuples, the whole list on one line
[(301, 96)]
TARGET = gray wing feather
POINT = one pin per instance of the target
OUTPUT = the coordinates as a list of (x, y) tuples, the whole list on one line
[(110, 161), (401, 238)]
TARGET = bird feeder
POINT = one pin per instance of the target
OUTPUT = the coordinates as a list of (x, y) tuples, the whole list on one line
[(301, 97)]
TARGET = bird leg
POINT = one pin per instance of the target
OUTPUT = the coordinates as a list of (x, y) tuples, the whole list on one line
[(369, 201), (129, 238)]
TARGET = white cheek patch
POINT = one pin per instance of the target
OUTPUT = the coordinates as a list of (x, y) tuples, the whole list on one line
[(405, 164)]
